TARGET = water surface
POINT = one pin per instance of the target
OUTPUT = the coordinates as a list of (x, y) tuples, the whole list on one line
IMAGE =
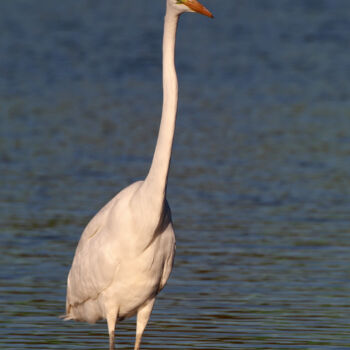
[(259, 184)]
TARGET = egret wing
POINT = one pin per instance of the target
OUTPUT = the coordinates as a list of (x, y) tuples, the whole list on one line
[(95, 260)]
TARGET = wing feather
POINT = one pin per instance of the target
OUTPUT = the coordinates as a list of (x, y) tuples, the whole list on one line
[(95, 261)]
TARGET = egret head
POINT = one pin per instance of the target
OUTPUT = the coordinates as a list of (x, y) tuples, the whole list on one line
[(190, 6)]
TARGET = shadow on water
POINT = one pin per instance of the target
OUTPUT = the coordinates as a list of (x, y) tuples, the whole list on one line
[(259, 180)]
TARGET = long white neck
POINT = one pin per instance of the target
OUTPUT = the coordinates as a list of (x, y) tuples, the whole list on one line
[(156, 180)]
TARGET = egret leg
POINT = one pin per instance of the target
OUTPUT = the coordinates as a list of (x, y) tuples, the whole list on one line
[(111, 322), (143, 316)]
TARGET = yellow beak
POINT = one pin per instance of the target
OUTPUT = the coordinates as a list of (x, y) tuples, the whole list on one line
[(196, 6)]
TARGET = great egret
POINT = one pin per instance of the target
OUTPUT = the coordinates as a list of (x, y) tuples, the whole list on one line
[(126, 252)]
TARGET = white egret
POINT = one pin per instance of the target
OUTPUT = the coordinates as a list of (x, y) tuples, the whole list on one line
[(126, 252)]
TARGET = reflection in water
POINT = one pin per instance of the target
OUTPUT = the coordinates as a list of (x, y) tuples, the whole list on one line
[(258, 185)]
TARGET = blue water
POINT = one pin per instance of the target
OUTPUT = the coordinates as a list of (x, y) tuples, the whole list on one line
[(259, 184)]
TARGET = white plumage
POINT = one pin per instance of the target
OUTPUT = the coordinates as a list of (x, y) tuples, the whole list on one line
[(115, 268), (126, 252)]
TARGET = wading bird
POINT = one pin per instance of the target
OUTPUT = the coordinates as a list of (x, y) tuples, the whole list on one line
[(126, 252)]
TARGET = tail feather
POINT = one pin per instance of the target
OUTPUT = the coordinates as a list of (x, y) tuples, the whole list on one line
[(66, 317)]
